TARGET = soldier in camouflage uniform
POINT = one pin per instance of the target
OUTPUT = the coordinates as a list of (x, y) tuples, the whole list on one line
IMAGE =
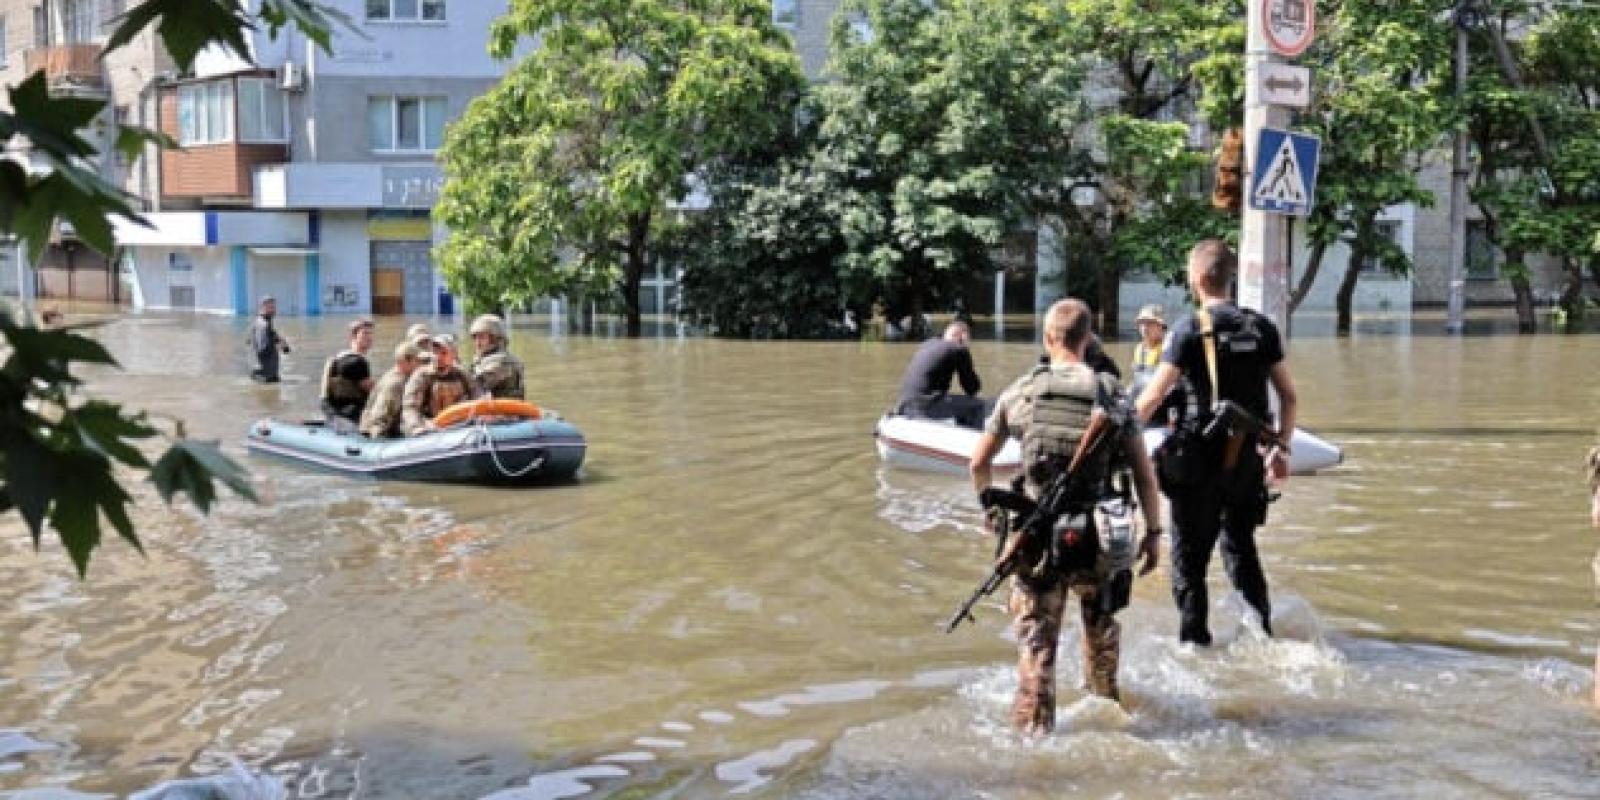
[(1049, 410), (381, 418), (496, 371), (419, 335), (435, 387)]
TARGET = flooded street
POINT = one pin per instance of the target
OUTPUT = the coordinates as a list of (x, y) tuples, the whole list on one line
[(738, 599)]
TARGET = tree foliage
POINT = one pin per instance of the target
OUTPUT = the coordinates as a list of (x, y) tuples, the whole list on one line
[(1532, 201), (564, 177), (1379, 80), (60, 450)]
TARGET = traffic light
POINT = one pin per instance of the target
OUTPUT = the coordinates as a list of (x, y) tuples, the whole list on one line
[(1228, 193)]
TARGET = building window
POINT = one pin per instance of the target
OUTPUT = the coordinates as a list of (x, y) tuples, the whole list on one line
[(80, 20), (205, 113), (786, 13), (261, 117), (405, 10), (405, 124), (1481, 256), (1388, 230)]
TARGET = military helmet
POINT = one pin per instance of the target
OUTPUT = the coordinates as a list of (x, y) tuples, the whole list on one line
[(490, 324)]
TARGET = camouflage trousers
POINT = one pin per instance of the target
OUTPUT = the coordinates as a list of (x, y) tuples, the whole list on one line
[(1036, 615)]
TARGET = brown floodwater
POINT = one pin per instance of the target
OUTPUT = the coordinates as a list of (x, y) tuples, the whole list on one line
[(739, 599)]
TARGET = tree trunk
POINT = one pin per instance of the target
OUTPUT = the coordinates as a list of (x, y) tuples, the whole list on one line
[(1313, 266), (633, 270), (1110, 297), (1517, 273), (1347, 286)]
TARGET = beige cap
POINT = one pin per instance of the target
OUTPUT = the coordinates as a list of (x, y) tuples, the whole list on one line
[(1151, 313), (416, 330), (405, 350)]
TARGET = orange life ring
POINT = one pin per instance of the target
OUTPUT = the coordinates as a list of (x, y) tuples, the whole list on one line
[(487, 407)]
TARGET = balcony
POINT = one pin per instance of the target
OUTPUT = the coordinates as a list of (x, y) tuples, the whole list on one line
[(68, 66)]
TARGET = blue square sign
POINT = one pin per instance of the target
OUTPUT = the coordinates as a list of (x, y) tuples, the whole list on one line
[(1284, 177)]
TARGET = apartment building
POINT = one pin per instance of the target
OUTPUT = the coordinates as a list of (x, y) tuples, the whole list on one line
[(65, 39), (309, 175)]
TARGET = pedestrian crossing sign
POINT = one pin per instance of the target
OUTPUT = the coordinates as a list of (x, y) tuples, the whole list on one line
[(1285, 176)]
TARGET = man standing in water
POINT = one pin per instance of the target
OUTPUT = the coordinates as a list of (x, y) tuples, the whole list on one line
[(1049, 410), (1216, 483), (925, 389), (265, 343)]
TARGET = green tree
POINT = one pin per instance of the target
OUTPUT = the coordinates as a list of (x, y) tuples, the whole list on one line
[(60, 450), (1149, 59), (1536, 130), (1379, 68), (564, 177)]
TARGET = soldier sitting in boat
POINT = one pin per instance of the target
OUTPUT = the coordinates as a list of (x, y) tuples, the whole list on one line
[(422, 338), (925, 389), (347, 379), (435, 387), (496, 372), (381, 418)]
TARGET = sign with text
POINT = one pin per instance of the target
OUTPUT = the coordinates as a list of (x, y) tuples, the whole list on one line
[(1290, 25), (411, 187), (1284, 85), (1284, 178)]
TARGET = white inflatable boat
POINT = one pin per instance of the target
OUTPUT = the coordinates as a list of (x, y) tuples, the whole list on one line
[(943, 446)]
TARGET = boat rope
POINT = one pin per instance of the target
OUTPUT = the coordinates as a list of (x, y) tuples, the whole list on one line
[(494, 456)]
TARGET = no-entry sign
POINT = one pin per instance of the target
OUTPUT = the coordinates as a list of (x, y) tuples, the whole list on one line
[(1290, 25)]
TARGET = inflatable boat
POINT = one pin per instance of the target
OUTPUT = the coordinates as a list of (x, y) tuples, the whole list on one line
[(943, 446), (504, 451)]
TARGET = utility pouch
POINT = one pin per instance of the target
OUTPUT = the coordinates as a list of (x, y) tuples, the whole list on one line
[(1115, 527), (1185, 460)]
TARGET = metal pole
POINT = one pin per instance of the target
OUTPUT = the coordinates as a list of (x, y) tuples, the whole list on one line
[(1263, 268), (1000, 304), (1454, 321)]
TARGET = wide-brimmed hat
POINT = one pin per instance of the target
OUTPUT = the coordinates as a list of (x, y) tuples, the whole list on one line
[(1151, 313)]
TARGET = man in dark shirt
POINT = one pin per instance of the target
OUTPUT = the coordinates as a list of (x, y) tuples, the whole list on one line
[(1225, 496), (347, 378), (925, 389)]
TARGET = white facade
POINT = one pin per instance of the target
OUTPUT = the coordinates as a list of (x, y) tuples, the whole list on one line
[(363, 126)]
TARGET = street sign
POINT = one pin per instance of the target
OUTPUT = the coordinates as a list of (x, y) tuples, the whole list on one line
[(1284, 178), (1284, 85), (1290, 25)]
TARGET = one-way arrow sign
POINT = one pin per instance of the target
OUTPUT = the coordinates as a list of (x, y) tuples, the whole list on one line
[(1284, 85)]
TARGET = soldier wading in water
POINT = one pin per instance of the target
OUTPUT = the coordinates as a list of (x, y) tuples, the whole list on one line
[(1090, 549)]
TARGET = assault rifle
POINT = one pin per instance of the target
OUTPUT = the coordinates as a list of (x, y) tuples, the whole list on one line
[(1036, 515), (1231, 420), (1230, 416)]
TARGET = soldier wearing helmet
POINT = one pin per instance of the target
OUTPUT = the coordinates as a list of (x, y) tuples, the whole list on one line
[(496, 372)]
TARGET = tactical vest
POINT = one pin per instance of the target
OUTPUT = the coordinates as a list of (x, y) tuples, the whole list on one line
[(1239, 357), (339, 390), (1057, 408)]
